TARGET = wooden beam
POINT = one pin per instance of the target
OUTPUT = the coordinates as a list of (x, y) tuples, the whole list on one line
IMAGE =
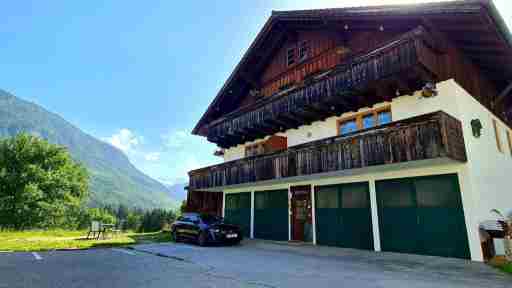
[(250, 80), (284, 123), (469, 38), (232, 138), (503, 94), (482, 49), (258, 130), (265, 57), (439, 38)]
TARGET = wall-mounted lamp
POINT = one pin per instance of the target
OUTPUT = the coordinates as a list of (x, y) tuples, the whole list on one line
[(429, 90), (476, 127)]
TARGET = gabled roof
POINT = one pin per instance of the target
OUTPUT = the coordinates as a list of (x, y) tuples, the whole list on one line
[(475, 26)]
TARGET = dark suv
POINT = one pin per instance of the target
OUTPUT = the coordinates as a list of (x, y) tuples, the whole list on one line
[(205, 229)]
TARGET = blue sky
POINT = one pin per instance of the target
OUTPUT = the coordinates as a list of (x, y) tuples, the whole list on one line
[(137, 74)]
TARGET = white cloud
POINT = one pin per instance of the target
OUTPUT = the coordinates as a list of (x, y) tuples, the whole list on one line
[(176, 140), (191, 163), (152, 156), (125, 140), (170, 159)]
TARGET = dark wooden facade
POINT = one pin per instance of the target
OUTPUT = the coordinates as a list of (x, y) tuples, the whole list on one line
[(424, 137), (327, 49), (465, 40), (405, 63)]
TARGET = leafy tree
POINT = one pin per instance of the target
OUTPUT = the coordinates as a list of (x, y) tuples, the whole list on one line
[(183, 207), (133, 221), (156, 219), (40, 185), (122, 212), (102, 215)]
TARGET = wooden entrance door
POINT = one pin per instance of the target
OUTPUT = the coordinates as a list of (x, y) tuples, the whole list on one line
[(301, 218)]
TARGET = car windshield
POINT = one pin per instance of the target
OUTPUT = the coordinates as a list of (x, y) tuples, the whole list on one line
[(210, 219)]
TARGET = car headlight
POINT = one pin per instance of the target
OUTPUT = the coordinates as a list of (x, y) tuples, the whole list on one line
[(215, 230)]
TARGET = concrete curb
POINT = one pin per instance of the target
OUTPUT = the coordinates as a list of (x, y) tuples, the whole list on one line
[(158, 254)]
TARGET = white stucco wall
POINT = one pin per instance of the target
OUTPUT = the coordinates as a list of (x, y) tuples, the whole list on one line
[(489, 170), (484, 179), (234, 153)]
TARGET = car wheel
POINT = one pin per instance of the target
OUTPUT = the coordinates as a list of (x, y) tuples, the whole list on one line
[(175, 236), (202, 239)]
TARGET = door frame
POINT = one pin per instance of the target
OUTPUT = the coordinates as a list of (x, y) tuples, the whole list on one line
[(302, 191)]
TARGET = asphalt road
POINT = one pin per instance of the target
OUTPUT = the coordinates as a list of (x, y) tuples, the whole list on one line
[(254, 264), (104, 268)]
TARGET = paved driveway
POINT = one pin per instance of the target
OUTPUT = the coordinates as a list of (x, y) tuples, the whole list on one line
[(103, 268), (254, 264), (278, 265)]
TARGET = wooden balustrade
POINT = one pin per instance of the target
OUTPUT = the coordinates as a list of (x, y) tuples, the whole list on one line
[(429, 136), (331, 94)]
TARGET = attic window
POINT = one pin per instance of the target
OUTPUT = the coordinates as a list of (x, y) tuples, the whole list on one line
[(290, 56), (303, 50)]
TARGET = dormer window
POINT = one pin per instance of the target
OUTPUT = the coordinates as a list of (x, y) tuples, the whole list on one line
[(290, 56), (303, 50)]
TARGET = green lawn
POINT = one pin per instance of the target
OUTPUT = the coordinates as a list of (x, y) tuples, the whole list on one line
[(60, 239), (501, 263), (507, 268)]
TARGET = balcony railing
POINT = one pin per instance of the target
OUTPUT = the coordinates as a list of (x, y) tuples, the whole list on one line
[(430, 136), (329, 95)]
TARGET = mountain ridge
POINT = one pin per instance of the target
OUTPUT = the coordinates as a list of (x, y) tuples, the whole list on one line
[(114, 179)]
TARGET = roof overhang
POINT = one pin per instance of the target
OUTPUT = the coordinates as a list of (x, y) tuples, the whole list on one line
[(480, 41)]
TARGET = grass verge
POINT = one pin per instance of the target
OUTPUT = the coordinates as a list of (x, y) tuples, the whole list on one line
[(60, 239), (501, 263), (507, 268)]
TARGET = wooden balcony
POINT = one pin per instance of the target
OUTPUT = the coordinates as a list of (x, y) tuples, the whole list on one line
[(430, 136), (404, 64)]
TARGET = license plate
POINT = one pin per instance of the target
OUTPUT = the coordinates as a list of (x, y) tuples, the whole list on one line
[(229, 236)]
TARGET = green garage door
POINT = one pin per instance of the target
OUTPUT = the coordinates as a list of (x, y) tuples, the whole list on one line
[(238, 211), (422, 215), (271, 215), (343, 216)]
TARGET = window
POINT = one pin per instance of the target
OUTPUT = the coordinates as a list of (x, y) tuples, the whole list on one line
[(364, 120), (303, 50), (368, 121), (498, 136), (348, 127), (290, 56), (384, 117)]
